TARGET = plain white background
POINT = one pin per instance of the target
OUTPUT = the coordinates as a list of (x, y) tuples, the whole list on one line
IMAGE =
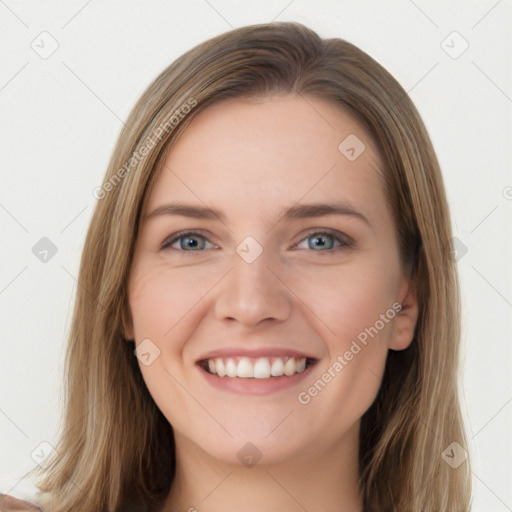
[(62, 113)]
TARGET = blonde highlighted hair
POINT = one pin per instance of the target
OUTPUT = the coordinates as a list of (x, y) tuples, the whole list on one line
[(116, 448)]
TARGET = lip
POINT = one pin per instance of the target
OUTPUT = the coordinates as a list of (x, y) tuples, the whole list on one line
[(255, 353), (256, 387)]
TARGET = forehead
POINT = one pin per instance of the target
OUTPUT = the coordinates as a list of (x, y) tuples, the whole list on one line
[(266, 153)]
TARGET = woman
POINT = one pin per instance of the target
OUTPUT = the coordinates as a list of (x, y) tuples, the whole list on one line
[(268, 311)]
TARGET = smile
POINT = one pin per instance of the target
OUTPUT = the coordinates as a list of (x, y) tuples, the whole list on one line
[(255, 368)]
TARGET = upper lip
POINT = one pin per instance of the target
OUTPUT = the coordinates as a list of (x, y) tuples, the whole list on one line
[(255, 353)]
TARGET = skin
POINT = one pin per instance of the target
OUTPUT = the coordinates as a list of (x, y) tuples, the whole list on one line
[(250, 158)]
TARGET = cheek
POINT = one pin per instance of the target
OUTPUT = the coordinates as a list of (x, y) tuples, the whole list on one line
[(161, 298), (164, 305), (353, 312), (348, 301)]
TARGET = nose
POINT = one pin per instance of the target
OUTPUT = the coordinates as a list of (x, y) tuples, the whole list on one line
[(252, 294)]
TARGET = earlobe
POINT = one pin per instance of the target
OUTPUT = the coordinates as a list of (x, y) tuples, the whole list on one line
[(405, 322)]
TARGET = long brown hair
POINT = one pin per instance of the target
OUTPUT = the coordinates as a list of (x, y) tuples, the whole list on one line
[(116, 448)]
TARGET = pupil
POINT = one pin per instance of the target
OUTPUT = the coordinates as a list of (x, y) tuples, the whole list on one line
[(319, 242), (191, 243)]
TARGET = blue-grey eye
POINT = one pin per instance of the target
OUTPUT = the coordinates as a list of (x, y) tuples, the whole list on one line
[(321, 242), (187, 242), (192, 242)]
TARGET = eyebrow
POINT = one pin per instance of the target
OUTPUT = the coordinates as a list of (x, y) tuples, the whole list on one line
[(301, 211)]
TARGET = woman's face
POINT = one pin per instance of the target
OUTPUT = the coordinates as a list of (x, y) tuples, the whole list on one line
[(267, 245)]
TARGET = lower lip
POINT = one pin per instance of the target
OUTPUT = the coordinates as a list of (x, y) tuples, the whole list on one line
[(255, 386)]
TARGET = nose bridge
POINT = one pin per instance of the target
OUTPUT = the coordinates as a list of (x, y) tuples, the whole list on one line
[(251, 292)]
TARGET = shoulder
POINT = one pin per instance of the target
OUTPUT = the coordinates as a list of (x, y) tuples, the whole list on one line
[(11, 504)]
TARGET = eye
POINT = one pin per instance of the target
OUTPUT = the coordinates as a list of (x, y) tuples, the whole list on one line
[(321, 241), (190, 241)]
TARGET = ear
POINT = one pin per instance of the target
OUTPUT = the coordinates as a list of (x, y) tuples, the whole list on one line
[(405, 322)]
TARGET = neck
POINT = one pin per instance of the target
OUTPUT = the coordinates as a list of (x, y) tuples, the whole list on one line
[(326, 480)]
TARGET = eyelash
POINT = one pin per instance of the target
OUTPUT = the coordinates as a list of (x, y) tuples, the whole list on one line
[(343, 240)]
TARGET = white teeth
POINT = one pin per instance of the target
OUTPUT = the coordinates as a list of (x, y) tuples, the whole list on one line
[(290, 366), (230, 368), (261, 368), (245, 369), (277, 367), (219, 366), (301, 365)]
